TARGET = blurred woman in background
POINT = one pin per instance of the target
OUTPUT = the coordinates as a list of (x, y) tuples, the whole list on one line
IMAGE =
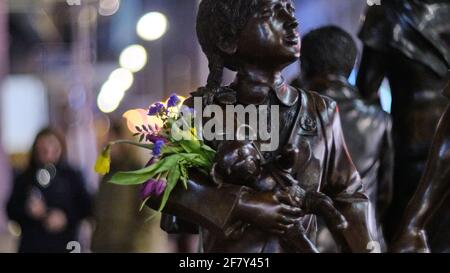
[(49, 199)]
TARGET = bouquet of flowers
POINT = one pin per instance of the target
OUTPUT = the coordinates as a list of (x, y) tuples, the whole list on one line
[(167, 131)]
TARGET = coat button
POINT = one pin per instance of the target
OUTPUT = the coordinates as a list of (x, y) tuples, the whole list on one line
[(308, 124)]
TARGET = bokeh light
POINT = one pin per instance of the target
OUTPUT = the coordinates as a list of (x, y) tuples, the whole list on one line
[(110, 96), (152, 26), (122, 77), (108, 7), (133, 58)]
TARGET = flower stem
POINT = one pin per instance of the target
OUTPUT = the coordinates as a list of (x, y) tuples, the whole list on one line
[(145, 146)]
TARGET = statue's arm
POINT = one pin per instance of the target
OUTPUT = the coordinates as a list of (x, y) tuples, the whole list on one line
[(430, 194), (371, 73), (375, 34), (343, 185), (203, 203), (386, 171)]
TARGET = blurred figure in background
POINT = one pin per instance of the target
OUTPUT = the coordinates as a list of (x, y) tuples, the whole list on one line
[(327, 60), (49, 199)]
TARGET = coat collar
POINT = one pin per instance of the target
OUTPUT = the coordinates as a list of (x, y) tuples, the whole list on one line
[(336, 87), (285, 94)]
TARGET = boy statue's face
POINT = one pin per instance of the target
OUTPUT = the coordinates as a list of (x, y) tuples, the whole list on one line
[(270, 37)]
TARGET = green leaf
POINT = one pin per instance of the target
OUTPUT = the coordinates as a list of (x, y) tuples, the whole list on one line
[(196, 160), (127, 178), (168, 163), (208, 153), (147, 170), (172, 179), (201, 161), (170, 149), (207, 148), (164, 164), (141, 145), (188, 156), (209, 157), (184, 174), (190, 146)]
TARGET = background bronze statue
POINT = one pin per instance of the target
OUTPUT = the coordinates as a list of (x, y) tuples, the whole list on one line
[(258, 39), (430, 195), (408, 42), (328, 57)]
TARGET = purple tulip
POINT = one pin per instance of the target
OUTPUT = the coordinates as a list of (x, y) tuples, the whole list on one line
[(153, 187), (148, 188), (160, 187)]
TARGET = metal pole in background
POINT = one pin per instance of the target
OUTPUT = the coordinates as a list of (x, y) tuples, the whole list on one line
[(5, 170), (81, 140), (81, 137)]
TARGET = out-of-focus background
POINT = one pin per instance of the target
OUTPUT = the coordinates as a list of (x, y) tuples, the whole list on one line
[(78, 65)]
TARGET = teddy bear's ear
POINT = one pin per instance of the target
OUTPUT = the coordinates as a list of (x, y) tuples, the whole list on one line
[(216, 177)]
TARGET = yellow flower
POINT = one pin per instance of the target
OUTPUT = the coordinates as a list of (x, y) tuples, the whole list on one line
[(194, 132), (103, 163)]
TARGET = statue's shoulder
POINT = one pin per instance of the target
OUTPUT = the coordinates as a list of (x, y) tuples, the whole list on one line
[(376, 30), (375, 112), (199, 93), (324, 106)]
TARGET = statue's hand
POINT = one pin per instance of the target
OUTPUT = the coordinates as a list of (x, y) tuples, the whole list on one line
[(410, 241), (265, 210), (317, 203), (320, 204)]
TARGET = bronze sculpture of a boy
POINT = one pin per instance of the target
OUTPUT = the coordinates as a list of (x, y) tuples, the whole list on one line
[(258, 38)]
